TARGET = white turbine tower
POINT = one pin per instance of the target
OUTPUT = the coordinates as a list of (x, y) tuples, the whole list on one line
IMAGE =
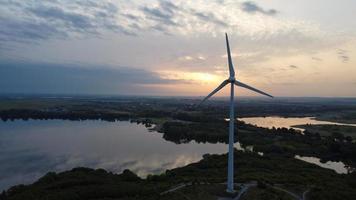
[(232, 81)]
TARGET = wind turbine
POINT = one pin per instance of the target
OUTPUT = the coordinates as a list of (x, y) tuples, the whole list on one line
[(232, 81)]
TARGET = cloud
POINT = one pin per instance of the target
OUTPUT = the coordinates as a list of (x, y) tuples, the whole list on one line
[(13, 172), (71, 79), (19, 31), (285, 83), (61, 19), (162, 13), (317, 59), (71, 19), (209, 17), (23, 21), (343, 55), (128, 165), (293, 66), (194, 23), (201, 58), (251, 7), (169, 14), (168, 6), (132, 17), (186, 58), (192, 58)]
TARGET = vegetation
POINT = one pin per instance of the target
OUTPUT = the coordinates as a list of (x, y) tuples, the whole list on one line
[(116, 108), (328, 130), (84, 183), (282, 141), (180, 121), (348, 117), (266, 194), (204, 178)]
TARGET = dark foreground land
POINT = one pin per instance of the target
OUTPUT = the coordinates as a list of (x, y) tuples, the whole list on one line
[(180, 121), (203, 179)]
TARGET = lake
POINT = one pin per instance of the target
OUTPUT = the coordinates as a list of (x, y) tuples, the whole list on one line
[(338, 167), (287, 122), (29, 149)]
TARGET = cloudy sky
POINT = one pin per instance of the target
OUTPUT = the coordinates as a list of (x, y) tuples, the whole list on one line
[(152, 47)]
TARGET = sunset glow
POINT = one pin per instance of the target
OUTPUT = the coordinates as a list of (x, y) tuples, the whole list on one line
[(288, 48)]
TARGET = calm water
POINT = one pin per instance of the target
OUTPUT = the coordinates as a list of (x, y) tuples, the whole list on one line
[(279, 122), (29, 149), (338, 167)]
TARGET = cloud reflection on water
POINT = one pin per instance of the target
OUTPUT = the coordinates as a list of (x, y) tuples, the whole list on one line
[(29, 149)]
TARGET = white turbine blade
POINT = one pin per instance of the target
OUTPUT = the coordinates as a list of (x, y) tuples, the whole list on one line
[(231, 67), (238, 83), (215, 91)]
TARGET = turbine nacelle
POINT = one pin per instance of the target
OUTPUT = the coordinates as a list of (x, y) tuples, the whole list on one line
[(231, 79)]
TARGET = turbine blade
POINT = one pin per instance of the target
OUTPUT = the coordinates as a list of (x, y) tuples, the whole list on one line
[(238, 83), (231, 66), (214, 91)]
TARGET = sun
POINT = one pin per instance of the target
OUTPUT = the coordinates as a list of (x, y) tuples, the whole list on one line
[(203, 77), (198, 77)]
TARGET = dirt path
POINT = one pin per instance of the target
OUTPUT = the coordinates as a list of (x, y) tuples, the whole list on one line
[(244, 189), (305, 193), (176, 188), (288, 192)]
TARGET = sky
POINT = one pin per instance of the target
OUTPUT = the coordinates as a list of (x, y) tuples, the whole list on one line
[(177, 48)]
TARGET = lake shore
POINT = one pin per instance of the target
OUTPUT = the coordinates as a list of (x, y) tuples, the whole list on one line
[(204, 178)]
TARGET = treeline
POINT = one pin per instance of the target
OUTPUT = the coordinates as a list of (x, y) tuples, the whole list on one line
[(214, 131), (282, 141), (84, 183), (183, 132), (26, 114), (291, 174)]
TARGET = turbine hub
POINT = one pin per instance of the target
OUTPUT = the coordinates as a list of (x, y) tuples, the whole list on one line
[(232, 79)]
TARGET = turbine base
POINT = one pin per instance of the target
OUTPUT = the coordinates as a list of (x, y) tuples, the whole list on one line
[(231, 191)]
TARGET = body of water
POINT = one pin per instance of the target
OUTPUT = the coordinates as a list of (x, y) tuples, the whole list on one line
[(280, 122), (29, 149), (287, 122), (338, 167)]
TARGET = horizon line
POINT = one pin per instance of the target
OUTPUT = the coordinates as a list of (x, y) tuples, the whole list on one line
[(61, 95)]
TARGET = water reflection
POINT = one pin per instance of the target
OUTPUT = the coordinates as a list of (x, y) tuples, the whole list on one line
[(280, 122), (338, 167), (29, 149), (287, 122)]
